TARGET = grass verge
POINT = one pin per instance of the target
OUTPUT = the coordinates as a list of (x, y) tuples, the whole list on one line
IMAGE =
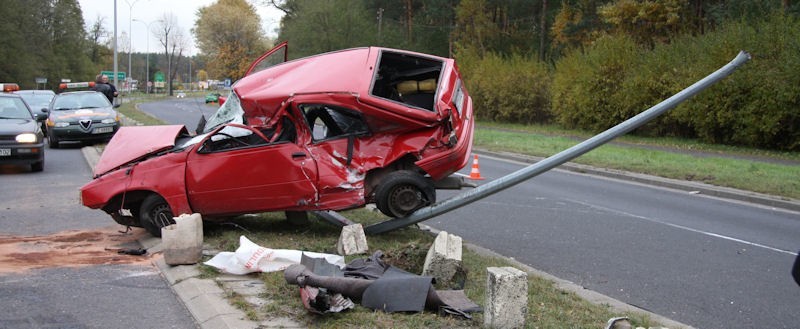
[(548, 307), (647, 156), (128, 109)]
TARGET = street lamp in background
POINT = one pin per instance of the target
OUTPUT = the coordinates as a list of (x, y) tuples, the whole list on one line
[(147, 55), (130, 42)]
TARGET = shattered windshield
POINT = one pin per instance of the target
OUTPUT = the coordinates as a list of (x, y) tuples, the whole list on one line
[(230, 112)]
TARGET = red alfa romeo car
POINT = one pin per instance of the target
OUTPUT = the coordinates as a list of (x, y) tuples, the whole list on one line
[(333, 131)]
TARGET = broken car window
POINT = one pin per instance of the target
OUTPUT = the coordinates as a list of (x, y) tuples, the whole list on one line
[(231, 137), (407, 79), (230, 112), (328, 122)]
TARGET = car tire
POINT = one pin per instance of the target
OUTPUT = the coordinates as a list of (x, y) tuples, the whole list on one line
[(297, 218), (37, 166), (402, 192), (52, 141), (154, 214)]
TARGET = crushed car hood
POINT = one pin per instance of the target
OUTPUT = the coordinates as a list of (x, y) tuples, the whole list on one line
[(133, 143)]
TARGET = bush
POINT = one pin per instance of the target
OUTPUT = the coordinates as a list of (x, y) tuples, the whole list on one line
[(587, 87), (757, 106), (514, 89)]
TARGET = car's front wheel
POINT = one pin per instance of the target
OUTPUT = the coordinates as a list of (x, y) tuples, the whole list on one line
[(155, 213), (52, 140), (402, 192)]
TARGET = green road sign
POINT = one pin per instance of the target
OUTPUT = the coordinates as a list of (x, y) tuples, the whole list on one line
[(110, 74), (159, 76)]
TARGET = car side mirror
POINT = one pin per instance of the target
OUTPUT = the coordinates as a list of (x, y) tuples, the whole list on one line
[(41, 117), (796, 270), (117, 105)]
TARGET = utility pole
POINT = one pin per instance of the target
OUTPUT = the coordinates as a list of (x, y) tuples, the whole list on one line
[(380, 24), (115, 44)]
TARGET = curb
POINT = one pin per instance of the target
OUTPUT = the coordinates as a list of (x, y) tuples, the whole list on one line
[(207, 303)]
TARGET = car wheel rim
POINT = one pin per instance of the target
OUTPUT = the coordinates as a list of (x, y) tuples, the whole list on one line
[(405, 199), (162, 215)]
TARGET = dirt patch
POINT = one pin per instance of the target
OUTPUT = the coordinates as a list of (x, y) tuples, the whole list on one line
[(69, 249)]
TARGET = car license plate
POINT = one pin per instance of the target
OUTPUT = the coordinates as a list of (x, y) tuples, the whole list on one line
[(5, 152), (102, 130)]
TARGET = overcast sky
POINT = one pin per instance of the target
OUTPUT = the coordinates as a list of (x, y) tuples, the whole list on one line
[(151, 10)]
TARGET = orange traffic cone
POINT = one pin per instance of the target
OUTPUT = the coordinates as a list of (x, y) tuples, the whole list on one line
[(475, 174)]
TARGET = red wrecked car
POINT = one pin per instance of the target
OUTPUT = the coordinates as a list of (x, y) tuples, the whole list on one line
[(333, 131)]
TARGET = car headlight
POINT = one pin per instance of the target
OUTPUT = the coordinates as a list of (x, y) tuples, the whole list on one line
[(109, 120), (61, 124), (26, 138)]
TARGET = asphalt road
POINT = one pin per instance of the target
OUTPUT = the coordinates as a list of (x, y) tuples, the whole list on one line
[(703, 261), (183, 111), (67, 293)]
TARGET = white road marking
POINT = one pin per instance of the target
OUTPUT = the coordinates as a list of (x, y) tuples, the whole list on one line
[(653, 220)]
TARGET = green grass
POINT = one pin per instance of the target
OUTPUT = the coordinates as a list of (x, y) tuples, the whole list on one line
[(548, 307), (644, 155), (128, 108)]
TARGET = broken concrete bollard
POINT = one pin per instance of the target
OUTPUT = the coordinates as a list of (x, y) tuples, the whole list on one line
[(182, 242), (352, 241), (443, 261), (506, 304)]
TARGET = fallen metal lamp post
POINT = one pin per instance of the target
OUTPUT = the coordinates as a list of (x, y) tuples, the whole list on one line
[(560, 158)]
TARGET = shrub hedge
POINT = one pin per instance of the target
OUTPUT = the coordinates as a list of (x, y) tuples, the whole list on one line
[(614, 79)]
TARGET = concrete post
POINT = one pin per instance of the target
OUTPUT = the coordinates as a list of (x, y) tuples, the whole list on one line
[(506, 304)]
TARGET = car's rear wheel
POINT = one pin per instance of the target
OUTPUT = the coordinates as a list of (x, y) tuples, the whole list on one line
[(402, 192), (52, 140), (155, 213)]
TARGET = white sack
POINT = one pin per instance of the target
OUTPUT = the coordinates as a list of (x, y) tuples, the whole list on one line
[(250, 257)]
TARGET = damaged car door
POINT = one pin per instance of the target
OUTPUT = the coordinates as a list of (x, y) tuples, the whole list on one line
[(239, 169), (335, 145)]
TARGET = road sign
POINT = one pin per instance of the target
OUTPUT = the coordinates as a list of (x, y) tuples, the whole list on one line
[(110, 74), (159, 76)]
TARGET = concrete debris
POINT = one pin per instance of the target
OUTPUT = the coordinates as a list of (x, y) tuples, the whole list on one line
[(443, 261), (619, 323), (352, 241)]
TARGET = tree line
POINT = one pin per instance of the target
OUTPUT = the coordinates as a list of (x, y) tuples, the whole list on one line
[(49, 39)]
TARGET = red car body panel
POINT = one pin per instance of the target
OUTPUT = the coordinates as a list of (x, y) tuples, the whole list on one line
[(137, 142), (308, 170)]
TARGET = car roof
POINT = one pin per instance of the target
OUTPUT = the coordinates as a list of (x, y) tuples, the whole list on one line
[(10, 95), (35, 91), (343, 71)]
